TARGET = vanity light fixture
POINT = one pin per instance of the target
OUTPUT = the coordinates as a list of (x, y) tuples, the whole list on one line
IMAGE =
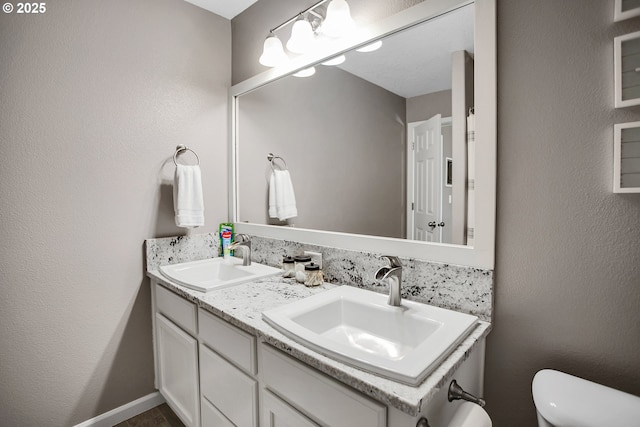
[(334, 22), (272, 52), (338, 22), (302, 36)]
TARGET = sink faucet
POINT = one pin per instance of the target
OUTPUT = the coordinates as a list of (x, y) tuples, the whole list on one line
[(242, 242), (393, 276)]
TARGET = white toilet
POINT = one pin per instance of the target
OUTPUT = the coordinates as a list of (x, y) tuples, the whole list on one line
[(563, 400)]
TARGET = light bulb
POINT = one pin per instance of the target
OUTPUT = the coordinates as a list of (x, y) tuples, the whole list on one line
[(272, 52), (338, 22), (302, 38)]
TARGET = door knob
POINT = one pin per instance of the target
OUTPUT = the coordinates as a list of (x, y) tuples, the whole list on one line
[(432, 224), (441, 224)]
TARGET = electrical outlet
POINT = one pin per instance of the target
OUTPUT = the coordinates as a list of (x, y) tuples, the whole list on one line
[(316, 257)]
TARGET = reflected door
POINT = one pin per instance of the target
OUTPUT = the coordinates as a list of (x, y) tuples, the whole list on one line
[(427, 180)]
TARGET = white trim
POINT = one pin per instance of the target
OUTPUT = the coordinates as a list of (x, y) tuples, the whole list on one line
[(620, 15), (124, 412), (482, 254), (617, 67), (617, 158)]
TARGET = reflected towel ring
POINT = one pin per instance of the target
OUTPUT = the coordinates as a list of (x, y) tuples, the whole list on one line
[(272, 158), (179, 149)]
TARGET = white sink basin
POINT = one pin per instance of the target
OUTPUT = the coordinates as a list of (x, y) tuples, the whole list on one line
[(359, 328), (216, 273)]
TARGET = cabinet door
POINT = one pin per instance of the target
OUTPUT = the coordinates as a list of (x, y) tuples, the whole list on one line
[(231, 391), (211, 417), (277, 413), (177, 354)]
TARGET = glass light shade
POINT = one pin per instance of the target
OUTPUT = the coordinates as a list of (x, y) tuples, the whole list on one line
[(302, 38), (338, 22), (272, 52), (335, 61), (307, 72), (371, 47)]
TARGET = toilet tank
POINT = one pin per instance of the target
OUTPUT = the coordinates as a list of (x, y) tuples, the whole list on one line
[(564, 400)]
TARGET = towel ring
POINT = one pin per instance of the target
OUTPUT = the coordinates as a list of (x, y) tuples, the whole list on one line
[(272, 158), (179, 149)]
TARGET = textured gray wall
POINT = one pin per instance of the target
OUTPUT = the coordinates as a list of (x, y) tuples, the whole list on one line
[(567, 251), (338, 186), (567, 248), (95, 97)]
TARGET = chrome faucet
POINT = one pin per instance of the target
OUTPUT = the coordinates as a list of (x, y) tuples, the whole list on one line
[(393, 276), (242, 242)]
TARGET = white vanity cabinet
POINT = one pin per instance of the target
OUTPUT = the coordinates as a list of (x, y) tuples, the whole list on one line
[(277, 413), (227, 371), (205, 367), (315, 395), (214, 374), (176, 354)]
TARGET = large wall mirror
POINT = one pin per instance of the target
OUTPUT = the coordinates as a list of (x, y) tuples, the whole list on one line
[(382, 148)]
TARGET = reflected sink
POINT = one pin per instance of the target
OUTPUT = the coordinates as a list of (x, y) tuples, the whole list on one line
[(358, 327), (216, 273)]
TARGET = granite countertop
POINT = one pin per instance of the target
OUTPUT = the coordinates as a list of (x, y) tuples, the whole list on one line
[(242, 306)]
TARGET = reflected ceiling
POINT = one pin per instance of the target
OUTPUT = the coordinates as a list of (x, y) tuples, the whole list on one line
[(426, 47)]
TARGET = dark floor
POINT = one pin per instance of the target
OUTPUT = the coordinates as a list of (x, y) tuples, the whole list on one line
[(160, 416)]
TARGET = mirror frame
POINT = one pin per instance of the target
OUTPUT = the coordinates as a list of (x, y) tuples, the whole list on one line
[(482, 254)]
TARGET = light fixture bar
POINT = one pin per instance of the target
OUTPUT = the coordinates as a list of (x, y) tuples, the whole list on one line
[(297, 15)]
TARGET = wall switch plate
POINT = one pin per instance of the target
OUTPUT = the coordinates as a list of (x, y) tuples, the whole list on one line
[(316, 257)]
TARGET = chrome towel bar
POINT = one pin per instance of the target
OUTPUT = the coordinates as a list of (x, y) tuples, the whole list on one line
[(180, 149), (272, 158)]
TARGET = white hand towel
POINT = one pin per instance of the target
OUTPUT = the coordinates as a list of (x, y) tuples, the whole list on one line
[(282, 199), (187, 196), (471, 178)]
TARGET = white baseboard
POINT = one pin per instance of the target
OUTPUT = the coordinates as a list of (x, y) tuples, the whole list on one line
[(124, 412)]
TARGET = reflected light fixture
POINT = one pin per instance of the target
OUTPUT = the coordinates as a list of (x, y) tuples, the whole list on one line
[(370, 47), (338, 22), (306, 24), (272, 52), (335, 61), (307, 72)]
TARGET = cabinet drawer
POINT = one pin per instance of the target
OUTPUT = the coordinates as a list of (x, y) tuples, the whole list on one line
[(182, 312), (277, 413), (229, 389), (237, 346), (318, 396), (211, 417)]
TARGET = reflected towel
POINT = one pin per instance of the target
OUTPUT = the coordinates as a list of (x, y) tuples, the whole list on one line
[(187, 196), (471, 178), (282, 200)]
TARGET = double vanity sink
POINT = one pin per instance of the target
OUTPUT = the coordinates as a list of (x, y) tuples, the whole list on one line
[(216, 273), (351, 325), (358, 327)]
